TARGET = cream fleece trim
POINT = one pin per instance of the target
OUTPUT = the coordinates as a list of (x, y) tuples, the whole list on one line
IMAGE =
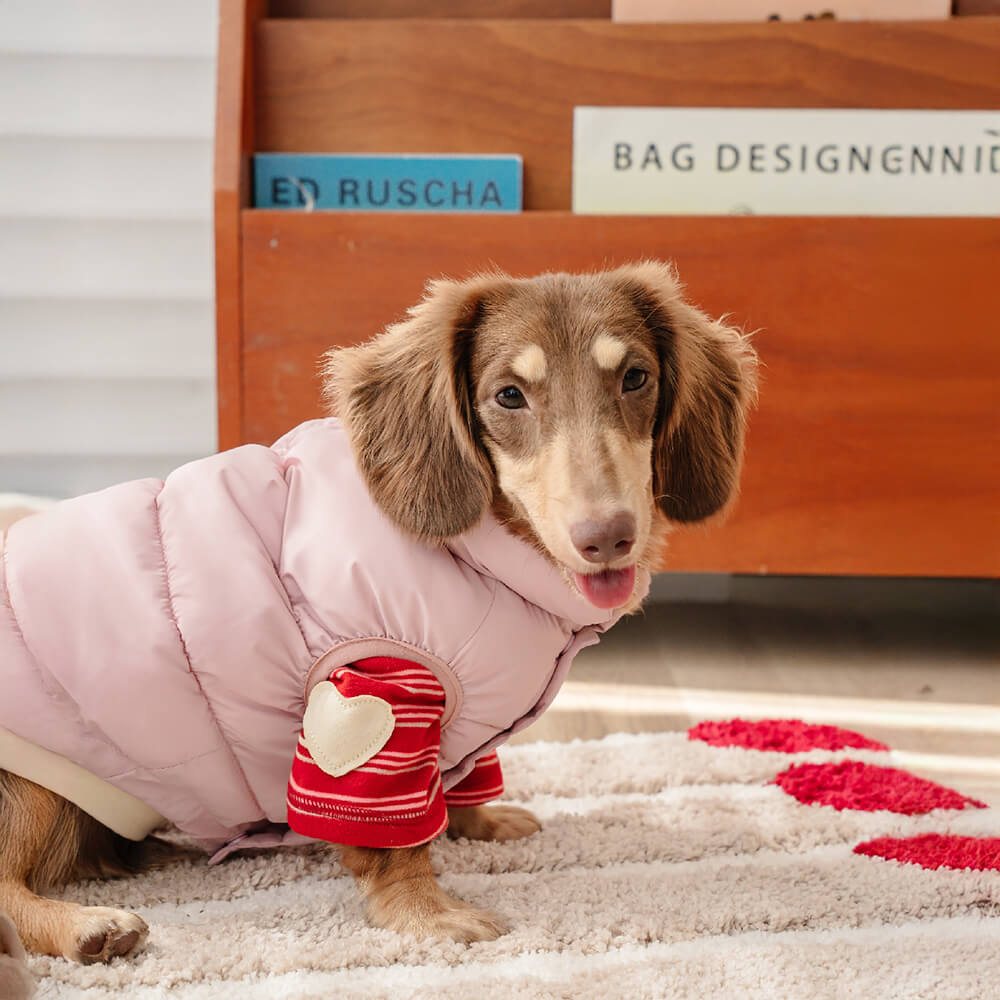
[(116, 809)]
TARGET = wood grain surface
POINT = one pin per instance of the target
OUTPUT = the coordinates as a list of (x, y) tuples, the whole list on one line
[(874, 449), (234, 143), (510, 86)]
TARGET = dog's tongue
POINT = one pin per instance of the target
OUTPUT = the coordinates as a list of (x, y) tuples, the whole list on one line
[(608, 589)]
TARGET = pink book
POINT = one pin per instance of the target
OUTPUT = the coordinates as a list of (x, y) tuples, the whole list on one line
[(787, 10)]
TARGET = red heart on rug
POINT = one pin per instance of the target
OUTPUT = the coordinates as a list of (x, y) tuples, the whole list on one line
[(937, 850), (851, 784), (781, 735)]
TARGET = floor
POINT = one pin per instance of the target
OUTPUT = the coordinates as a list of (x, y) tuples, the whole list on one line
[(915, 664)]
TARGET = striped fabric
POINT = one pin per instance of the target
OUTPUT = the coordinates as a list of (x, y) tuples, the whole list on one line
[(394, 799)]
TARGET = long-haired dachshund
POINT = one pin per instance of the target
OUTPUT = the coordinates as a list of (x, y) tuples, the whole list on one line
[(515, 453)]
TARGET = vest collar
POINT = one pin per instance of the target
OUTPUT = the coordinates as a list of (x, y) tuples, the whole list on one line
[(490, 549)]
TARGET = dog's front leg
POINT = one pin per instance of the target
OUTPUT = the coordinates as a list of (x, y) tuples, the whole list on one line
[(491, 822), (403, 895), (35, 822)]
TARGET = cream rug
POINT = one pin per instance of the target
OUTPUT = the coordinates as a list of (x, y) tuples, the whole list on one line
[(667, 867)]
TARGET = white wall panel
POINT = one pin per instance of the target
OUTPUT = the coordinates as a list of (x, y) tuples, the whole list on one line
[(79, 95), (107, 336), (69, 475), (110, 178), (109, 27), (105, 416), (97, 258), (139, 339)]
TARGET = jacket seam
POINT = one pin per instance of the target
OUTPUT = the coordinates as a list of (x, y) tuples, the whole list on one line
[(292, 609), (10, 603), (141, 769), (482, 621), (352, 814), (172, 612)]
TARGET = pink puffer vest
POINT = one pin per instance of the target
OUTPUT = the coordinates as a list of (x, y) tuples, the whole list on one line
[(165, 635)]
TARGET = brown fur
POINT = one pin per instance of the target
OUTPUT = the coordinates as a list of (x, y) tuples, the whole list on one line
[(402, 894), (699, 438), (46, 841), (437, 449), (405, 398), (419, 402)]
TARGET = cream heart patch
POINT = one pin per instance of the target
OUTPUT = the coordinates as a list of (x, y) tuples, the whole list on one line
[(342, 733)]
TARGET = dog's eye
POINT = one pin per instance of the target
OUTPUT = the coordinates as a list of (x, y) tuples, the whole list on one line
[(511, 398), (635, 378)]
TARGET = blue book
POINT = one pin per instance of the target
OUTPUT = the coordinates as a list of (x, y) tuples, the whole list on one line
[(405, 182)]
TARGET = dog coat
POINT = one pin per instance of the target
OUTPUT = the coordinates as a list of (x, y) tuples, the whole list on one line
[(166, 636)]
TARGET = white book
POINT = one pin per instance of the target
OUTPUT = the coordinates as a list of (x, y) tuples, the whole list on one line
[(785, 161)]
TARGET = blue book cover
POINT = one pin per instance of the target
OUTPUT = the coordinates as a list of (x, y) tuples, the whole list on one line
[(405, 182)]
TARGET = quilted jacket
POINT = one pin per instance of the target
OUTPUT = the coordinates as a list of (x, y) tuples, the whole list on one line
[(165, 635)]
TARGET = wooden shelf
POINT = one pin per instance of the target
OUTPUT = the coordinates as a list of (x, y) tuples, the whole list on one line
[(510, 86), (873, 450)]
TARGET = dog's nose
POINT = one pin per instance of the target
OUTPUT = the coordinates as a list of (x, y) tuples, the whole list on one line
[(604, 540)]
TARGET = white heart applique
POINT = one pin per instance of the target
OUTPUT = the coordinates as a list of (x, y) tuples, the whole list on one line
[(342, 733)]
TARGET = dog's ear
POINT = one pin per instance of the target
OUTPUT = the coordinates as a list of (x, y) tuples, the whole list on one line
[(405, 399), (708, 382)]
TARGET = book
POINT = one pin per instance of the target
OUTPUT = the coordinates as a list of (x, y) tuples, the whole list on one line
[(649, 11), (786, 161), (391, 182)]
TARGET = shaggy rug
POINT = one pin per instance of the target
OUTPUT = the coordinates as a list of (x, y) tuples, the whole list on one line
[(740, 860)]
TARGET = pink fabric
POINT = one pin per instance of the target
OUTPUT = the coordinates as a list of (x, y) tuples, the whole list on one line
[(164, 635)]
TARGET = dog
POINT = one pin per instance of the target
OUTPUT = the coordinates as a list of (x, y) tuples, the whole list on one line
[(523, 445)]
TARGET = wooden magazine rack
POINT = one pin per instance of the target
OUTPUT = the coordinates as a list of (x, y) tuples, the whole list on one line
[(876, 445)]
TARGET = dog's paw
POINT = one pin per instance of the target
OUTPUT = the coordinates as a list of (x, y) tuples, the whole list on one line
[(491, 822), (465, 924), (512, 823), (421, 908), (447, 919), (103, 934)]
